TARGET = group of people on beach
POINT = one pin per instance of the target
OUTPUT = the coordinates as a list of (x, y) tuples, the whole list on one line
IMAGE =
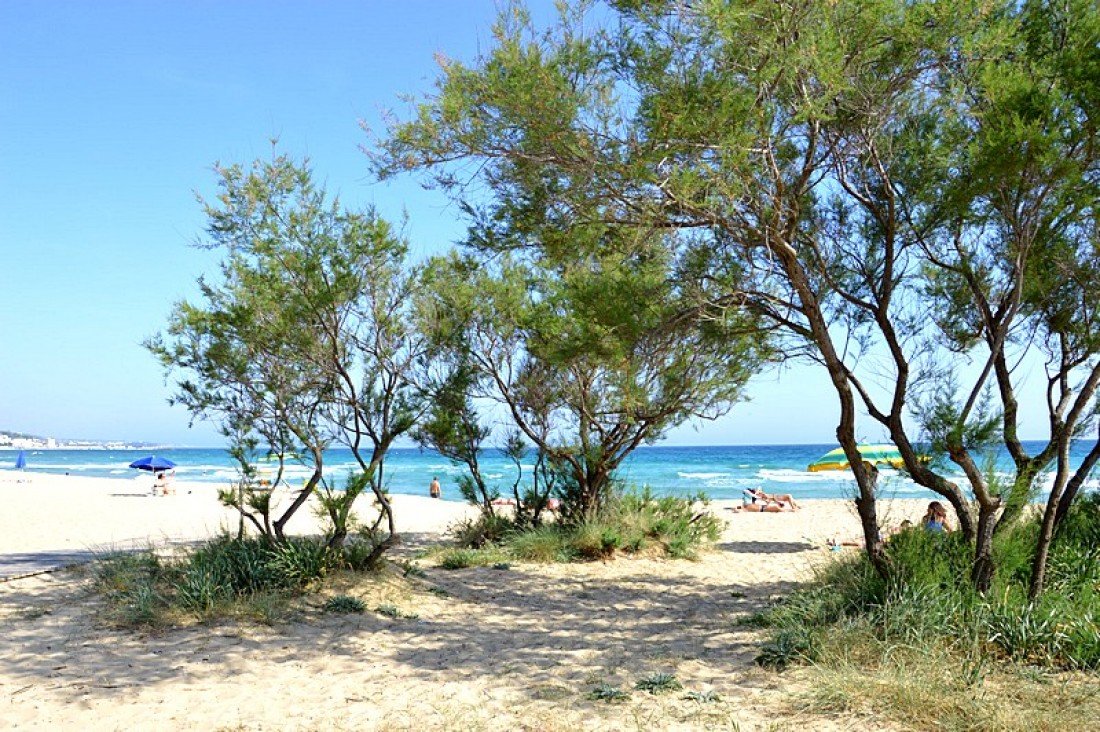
[(757, 501)]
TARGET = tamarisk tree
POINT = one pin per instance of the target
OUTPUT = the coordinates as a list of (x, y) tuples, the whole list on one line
[(296, 344), (788, 154), (589, 356)]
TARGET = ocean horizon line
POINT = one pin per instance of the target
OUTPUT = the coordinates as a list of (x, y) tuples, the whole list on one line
[(127, 446)]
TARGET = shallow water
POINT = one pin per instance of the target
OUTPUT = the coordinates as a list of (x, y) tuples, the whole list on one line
[(720, 472)]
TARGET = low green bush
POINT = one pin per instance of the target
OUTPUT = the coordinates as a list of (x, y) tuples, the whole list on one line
[(632, 522), (930, 603), (790, 646), (659, 683), (480, 531), (459, 558), (344, 604), (392, 611), (607, 693), (250, 577), (546, 543)]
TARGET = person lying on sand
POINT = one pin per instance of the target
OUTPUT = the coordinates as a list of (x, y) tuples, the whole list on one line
[(763, 507), (835, 543), (781, 498), (552, 504)]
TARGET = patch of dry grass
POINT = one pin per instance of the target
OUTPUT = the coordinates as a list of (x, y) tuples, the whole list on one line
[(943, 690)]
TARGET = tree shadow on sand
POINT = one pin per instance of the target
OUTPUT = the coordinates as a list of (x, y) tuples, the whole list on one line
[(521, 628), (767, 547)]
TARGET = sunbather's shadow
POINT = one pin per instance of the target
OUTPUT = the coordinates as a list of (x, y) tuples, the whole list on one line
[(766, 547)]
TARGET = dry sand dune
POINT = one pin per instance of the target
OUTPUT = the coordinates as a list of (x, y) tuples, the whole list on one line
[(491, 649)]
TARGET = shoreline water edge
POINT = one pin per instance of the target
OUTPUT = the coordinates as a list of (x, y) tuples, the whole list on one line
[(719, 472)]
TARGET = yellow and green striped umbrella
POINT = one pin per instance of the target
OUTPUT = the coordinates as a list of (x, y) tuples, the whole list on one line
[(874, 454)]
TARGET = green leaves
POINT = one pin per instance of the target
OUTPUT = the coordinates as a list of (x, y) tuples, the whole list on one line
[(302, 338)]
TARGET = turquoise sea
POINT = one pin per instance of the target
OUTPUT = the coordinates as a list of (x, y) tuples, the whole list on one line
[(721, 472)]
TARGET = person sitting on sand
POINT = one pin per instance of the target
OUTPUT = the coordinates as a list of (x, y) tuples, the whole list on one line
[(935, 519), (780, 498)]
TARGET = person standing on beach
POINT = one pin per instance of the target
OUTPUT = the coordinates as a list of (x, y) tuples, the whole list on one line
[(433, 490)]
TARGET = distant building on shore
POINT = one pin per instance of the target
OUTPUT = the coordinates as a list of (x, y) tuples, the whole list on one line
[(20, 441)]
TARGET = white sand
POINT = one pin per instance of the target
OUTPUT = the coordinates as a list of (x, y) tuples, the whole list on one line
[(59, 513), (513, 649)]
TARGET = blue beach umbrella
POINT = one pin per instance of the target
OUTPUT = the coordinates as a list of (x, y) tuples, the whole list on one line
[(152, 463), (21, 460)]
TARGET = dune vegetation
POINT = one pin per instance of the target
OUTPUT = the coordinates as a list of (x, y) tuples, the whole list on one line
[(662, 201)]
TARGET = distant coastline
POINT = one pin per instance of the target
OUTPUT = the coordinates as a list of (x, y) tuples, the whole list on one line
[(23, 441)]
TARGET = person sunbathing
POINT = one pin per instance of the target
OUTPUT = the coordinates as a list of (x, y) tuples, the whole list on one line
[(780, 498), (763, 507)]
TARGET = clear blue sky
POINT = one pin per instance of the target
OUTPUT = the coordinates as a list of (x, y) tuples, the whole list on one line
[(111, 115)]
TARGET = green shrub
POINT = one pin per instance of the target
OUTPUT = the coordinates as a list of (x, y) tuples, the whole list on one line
[(930, 603), (357, 554), (659, 683), (607, 693), (547, 543), (344, 604), (593, 540), (410, 569), (481, 531), (633, 522), (392, 611), (790, 646), (142, 605), (201, 590), (121, 572), (298, 562), (455, 558), (129, 581), (250, 577), (673, 522)]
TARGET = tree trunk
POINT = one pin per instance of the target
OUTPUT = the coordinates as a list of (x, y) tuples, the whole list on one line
[(984, 567), (240, 509), (300, 499), (1046, 529), (1075, 483), (336, 541)]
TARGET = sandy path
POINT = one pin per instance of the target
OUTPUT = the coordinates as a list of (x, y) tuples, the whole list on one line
[(492, 649)]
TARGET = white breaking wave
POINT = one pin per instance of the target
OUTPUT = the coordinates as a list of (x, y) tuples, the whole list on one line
[(786, 475), (703, 476)]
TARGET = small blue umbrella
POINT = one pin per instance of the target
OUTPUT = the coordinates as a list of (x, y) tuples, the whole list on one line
[(152, 463), (21, 460)]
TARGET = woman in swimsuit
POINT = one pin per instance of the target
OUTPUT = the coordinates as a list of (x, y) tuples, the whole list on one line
[(935, 519)]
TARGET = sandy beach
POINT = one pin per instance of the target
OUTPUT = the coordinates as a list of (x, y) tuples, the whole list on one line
[(490, 649)]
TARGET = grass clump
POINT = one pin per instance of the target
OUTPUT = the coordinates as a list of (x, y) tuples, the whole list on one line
[(926, 649), (461, 558), (344, 604), (248, 577), (485, 529), (659, 683), (703, 697), (392, 611), (607, 693), (632, 522)]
